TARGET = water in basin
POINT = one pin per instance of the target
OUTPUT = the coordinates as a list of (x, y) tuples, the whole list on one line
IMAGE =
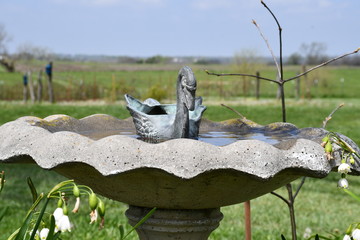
[(218, 138)]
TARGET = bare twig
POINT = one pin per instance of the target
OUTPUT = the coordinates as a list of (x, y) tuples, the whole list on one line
[(289, 79), (322, 64), (268, 46), (241, 116), (240, 74), (328, 118), (281, 197), (299, 187), (280, 39)]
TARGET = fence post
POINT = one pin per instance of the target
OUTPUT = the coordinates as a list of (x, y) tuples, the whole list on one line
[(257, 90), (39, 86), (307, 85), (31, 87), (48, 70), (25, 89), (297, 88)]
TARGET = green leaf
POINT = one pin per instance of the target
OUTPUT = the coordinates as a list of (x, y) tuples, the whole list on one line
[(58, 186), (36, 203), (121, 229), (14, 234), (32, 189), (149, 214), (2, 182), (318, 237), (2, 213), (22, 231), (39, 219), (51, 228), (353, 195), (56, 236)]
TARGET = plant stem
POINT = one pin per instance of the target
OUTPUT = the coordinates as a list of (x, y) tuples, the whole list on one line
[(283, 106), (290, 204)]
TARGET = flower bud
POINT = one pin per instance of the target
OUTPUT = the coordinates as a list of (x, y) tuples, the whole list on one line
[(352, 159), (93, 201), (325, 139), (76, 191), (101, 208), (343, 183), (328, 147), (65, 210), (60, 203)]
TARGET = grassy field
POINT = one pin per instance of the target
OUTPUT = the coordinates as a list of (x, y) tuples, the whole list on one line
[(319, 206), (87, 81)]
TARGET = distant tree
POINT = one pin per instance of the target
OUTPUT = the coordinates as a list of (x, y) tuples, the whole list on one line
[(295, 59), (157, 59), (4, 39), (5, 60), (314, 53), (247, 61), (29, 52)]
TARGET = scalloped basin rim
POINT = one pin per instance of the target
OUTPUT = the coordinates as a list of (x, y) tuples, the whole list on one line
[(176, 174)]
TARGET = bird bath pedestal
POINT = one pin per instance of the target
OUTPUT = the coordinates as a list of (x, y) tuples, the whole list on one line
[(194, 224), (186, 180)]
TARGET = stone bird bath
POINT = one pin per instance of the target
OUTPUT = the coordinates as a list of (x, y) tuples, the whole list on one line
[(187, 180)]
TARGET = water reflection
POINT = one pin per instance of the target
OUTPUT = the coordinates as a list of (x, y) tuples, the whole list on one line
[(213, 137)]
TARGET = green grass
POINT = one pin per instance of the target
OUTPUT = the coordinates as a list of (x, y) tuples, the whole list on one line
[(84, 81), (320, 205)]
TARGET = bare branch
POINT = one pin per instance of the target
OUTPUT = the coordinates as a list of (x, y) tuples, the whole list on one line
[(322, 64), (268, 46), (328, 118), (241, 74), (277, 22), (280, 40), (299, 187), (240, 115), (281, 197)]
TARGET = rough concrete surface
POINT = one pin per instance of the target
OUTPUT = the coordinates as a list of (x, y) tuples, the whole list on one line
[(175, 174)]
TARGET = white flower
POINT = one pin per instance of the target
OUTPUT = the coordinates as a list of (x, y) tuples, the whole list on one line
[(44, 233), (344, 168), (58, 214), (77, 205), (343, 183), (93, 216), (64, 224), (347, 237), (356, 234), (36, 234), (307, 233)]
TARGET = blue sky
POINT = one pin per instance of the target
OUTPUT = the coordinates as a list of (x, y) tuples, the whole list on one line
[(179, 27)]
